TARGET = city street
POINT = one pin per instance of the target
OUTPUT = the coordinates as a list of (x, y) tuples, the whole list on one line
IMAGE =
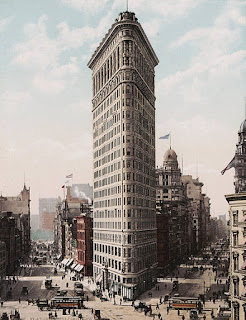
[(194, 284)]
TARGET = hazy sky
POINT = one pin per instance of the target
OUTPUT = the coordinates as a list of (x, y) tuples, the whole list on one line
[(45, 88)]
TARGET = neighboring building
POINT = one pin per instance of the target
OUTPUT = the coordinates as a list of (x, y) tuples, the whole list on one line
[(173, 208), (7, 235), (65, 226), (20, 205), (47, 212), (237, 212), (240, 160), (124, 220), (217, 230), (3, 259), (200, 210), (163, 252), (85, 244)]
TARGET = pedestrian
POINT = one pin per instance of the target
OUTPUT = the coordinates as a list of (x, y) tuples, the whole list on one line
[(159, 315), (183, 317), (120, 301), (19, 300), (67, 284), (204, 317), (178, 312), (55, 314), (87, 299), (167, 309), (157, 306), (1, 304)]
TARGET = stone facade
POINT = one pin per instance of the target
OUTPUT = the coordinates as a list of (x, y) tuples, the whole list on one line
[(124, 221), (172, 206), (200, 210), (237, 215), (20, 205), (240, 160)]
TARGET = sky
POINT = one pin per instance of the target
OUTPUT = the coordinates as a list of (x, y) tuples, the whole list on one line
[(46, 92)]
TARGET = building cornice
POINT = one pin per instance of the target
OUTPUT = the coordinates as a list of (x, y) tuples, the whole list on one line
[(236, 197), (111, 33)]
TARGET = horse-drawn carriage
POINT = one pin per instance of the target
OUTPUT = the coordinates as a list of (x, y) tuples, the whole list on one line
[(142, 307)]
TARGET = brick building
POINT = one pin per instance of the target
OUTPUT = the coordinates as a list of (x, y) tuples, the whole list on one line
[(85, 244)]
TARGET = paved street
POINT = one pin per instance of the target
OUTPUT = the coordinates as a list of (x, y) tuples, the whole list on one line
[(191, 286)]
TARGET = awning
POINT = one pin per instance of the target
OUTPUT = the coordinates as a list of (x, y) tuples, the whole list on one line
[(79, 267), (64, 261), (70, 261), (73, 266), (99, 278)]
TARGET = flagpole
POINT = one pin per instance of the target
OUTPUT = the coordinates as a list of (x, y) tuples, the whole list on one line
[(170, 141)]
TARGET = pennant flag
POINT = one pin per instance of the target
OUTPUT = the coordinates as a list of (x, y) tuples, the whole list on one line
[(229, 166), (69, 176), (63, 186), (165, 137)]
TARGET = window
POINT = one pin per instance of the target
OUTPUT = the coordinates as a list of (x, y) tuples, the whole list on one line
[(235, 218), (235, 239), (129, 238)]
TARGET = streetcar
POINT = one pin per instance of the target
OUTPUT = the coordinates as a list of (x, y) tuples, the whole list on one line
[(184, 303), (66, 303)]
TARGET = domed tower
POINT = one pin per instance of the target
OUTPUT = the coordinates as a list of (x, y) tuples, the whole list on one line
[(240, 160), (169, 178), (170, 159)]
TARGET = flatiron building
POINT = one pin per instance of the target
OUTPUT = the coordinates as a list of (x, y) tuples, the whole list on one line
[(123, 112)]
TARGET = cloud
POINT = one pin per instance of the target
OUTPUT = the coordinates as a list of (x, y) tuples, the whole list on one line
[(75, 38), (169, 9), (5, 22), (217, 59), (87, 5), (43, 54), (38, 50), (228, 63), (152, 27), (57, 79), (13, 98)]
